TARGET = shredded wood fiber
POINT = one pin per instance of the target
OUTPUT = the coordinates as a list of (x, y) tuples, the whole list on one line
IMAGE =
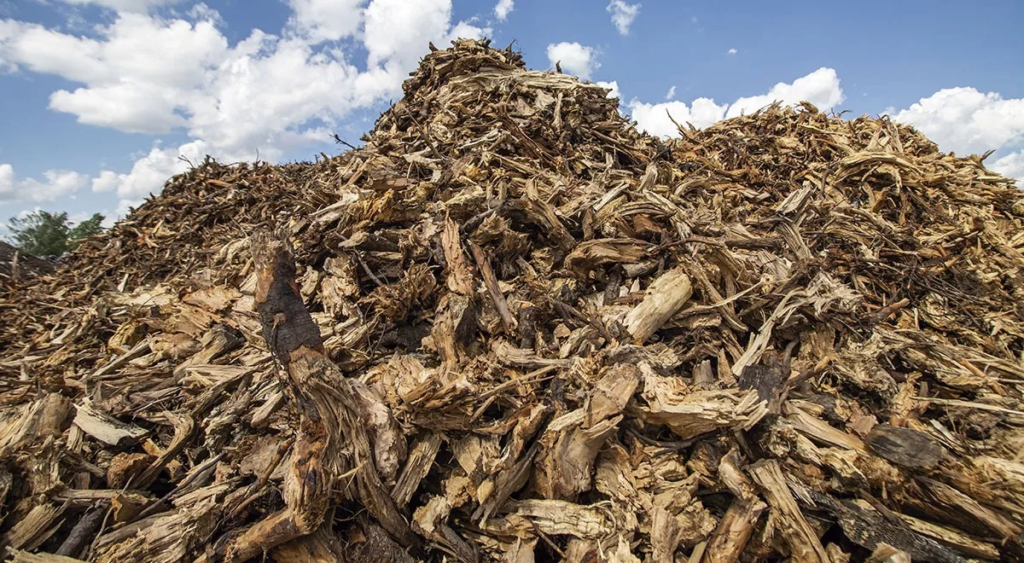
[(512, 328)]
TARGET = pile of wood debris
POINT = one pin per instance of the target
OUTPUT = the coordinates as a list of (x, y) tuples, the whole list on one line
[(16, 266), (512, 328)]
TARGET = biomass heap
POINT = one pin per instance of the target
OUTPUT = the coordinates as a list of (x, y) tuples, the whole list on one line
[(534, 333), (16, 266)]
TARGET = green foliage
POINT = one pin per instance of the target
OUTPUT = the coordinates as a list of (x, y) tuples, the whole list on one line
[(50, 234), (41, 233), (84, 230)]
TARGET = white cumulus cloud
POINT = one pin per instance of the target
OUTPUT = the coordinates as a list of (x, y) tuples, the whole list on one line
[(265, 95), (150, 172), (502, 9), (966, 121), (1011, 166), (655, 118), (107, 181), (612, 86), (55, 184), (574, 58), (6, 181), (820, 87), (132, 108), (134, 49), (671, 94), (731, 52), (623, 15), (397, 31), (326, 20)]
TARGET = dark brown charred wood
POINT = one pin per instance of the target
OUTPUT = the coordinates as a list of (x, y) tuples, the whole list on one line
[(905, 447), (287, 325), (375, 546), (871, 529), (83, 533), (765, 379)]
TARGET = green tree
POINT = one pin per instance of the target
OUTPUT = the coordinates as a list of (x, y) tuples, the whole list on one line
[(50, 234), (91, 226)]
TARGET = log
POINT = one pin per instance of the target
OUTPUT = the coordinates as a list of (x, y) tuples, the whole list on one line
[(332, 417), (664, 298)]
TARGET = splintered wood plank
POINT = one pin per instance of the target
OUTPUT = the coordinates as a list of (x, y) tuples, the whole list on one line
[(418, 464), (952, 499), (139, 350), (820, 431), (460, 279), (106, 428), (34, 528), (953, 538), (483, 263), (691, 413), (46, 416), (802, 540), (556, 517)]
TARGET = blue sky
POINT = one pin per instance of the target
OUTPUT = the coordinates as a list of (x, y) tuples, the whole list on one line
[(99, 98)]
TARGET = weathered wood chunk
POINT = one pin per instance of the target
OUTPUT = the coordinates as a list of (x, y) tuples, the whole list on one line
[(905, 447)]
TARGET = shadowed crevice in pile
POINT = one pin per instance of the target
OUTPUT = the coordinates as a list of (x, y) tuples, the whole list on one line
[(536, 334)]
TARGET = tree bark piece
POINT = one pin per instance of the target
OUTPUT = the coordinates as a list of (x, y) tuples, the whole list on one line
[(871, 529), (82, 533)]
